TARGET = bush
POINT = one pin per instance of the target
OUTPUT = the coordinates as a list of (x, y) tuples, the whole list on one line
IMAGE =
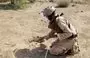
[(19, 3), (63, 3), (4, 1), (31, 1)]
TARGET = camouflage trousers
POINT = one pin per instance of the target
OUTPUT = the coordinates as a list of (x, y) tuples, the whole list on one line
[(67, 46)]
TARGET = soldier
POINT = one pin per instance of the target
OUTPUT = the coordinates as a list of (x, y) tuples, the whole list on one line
[(64, 31)]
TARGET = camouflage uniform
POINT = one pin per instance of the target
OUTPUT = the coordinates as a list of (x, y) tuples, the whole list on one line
[(66, 34)]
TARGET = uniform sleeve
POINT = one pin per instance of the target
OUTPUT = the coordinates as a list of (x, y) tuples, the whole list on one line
[(66, 30), (50, 35)]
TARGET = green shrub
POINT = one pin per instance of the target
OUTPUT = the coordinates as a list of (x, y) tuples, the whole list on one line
[(3, 1), (19, 3), (31, 1)]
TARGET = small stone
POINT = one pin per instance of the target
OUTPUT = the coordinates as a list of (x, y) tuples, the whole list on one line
[(81, 11)]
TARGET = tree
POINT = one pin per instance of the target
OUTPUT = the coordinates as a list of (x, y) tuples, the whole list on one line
[(12, 1), (19, 3)]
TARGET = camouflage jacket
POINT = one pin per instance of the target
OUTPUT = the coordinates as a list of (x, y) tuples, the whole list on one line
[(62, 27)]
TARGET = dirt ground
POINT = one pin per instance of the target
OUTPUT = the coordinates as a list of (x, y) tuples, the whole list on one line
[(17, 29)]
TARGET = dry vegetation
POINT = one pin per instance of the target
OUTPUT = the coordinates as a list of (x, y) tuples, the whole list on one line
[(4, 0), (31, 1)]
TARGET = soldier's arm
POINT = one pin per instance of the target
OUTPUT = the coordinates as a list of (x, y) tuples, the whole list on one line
[(66, 30), (49, 35)]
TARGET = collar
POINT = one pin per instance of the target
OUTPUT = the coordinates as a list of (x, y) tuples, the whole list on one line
[(54, 19)]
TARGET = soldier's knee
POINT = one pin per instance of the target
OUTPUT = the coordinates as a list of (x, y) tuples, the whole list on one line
[(57, 52), (53, 52)]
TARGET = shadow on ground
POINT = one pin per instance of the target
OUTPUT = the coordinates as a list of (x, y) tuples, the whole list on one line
[(26, 53)]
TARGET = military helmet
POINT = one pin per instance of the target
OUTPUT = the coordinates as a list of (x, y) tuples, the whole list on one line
[(48, 11)]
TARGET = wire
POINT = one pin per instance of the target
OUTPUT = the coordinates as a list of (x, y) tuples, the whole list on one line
[(46, 53)]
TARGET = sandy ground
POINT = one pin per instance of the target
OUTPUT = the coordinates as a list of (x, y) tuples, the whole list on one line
[(17, 29)]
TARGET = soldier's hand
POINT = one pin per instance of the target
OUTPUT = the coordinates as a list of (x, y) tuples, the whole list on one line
[(42, 46), (39, 39)]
